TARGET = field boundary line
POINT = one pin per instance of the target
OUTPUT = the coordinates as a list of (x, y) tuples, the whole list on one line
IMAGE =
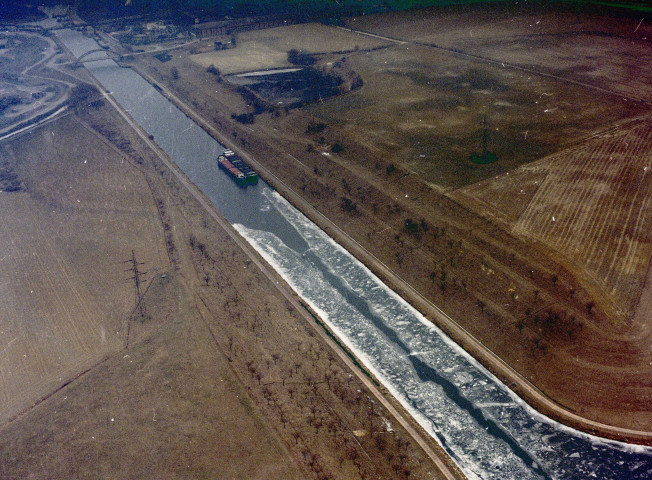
[(499, 63), (65, 384)]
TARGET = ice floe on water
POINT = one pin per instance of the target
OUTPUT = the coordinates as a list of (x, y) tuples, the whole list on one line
[(488, 430), (387, 360)]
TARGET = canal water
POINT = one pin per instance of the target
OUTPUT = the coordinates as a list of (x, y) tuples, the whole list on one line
[(488, 431)]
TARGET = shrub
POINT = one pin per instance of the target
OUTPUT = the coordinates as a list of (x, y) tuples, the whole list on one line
[(411, 227), (244, 118), (315, 127), (349, 205), (298, 57), (83, 95), (8, 101)]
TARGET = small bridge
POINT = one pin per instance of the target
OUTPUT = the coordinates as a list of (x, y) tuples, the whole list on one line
[(117, 56), (109, 54)]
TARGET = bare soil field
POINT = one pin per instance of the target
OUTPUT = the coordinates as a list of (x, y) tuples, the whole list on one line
[(590, 205), (605, 52), (64, 243), (157, 410), (559, 329), (265, 49)]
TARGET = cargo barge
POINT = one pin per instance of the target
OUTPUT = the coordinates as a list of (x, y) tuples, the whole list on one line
[(238, 170)]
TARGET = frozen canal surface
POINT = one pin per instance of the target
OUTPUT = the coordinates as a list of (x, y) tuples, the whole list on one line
[(488, 430)]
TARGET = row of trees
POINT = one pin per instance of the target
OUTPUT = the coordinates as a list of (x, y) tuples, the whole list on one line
[(299, 384), (547, 322)]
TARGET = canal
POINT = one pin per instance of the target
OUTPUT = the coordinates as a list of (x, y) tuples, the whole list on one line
[(487, 430)]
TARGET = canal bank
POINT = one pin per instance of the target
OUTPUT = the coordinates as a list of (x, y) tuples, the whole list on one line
[(518, 383), (518, 446)]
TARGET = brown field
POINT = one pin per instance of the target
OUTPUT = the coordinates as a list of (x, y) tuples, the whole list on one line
[(562, 328), (590, 205), (66, 300), (157, 410), (424, 109), (603, 52), (263, 49)]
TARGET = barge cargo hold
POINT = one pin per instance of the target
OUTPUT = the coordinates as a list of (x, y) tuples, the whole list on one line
[(239, 171)]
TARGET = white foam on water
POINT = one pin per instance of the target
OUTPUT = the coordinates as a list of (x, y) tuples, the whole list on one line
[(472, 447)]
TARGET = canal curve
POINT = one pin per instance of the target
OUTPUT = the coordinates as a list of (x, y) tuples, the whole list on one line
[(488, 430)]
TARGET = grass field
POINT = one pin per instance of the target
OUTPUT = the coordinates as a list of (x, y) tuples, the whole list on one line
[(539, 81), (594, 50), (425, 110)]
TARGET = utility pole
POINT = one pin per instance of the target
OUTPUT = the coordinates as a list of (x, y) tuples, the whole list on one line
[(136, 274), (484, 136), (486, 156)]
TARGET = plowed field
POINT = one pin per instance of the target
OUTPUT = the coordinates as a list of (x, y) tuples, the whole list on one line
[(590, 205)]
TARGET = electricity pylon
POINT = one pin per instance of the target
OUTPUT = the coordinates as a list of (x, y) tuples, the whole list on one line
[(136, 274)]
